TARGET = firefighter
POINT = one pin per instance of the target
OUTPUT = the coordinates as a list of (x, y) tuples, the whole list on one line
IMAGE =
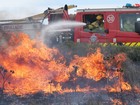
[(88, 27), (98, 24), (128, 26), (91, 27)]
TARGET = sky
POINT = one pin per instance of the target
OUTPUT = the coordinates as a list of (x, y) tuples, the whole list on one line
[(15, 9)]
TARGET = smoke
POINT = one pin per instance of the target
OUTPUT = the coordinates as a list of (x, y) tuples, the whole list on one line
[(2, 40), (3, 14), (52, 29)]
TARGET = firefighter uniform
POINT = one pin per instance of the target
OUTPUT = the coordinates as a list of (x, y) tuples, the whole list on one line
[(90, 27), (96, 25)]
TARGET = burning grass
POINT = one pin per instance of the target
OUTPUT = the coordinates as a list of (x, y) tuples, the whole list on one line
[(75, 68)]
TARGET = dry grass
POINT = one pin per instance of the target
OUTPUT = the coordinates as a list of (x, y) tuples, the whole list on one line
[(131, 66)]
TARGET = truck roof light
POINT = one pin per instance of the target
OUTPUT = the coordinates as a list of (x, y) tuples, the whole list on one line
[(128, 5), (137, 5)]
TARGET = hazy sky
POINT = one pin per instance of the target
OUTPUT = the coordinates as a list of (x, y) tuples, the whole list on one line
[(22, 8)]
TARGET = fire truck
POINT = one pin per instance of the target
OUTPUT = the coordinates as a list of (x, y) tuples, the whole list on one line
[(33, 25), (113, 19), (113, 31)]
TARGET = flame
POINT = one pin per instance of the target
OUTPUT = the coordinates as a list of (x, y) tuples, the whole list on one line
[(34, 64), (91, 67), (39, 68), (117, 102)]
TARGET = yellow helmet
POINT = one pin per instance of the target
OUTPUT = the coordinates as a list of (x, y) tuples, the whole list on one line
[(99, 17)]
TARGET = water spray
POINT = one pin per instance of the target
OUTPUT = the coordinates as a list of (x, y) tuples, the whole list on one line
[(58, 28)]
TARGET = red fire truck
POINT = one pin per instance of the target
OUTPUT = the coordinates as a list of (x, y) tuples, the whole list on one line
[(113, 19)]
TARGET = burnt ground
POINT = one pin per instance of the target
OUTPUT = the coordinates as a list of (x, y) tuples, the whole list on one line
[(131, 74), (73, 98)]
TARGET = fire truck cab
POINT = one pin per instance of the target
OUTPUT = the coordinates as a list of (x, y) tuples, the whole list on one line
[(120, 25)]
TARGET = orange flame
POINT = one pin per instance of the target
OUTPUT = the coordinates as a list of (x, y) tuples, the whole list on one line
[(91, 67), (39, 68), (34, 64), (117, 102)]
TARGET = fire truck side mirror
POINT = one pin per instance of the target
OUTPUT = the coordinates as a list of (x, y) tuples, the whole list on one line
[(106, 31), (137, 27)]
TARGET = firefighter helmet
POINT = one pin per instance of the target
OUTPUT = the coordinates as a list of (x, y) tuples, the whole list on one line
[(99, 17)]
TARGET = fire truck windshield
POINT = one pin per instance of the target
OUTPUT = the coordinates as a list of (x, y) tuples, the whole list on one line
[(127, 21)]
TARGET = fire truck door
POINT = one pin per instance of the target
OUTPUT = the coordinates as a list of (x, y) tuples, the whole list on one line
[(111, 22), (95, 29)]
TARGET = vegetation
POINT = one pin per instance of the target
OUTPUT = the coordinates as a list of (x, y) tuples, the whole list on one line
[(82, 49), (131, 66), (131, 74)]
